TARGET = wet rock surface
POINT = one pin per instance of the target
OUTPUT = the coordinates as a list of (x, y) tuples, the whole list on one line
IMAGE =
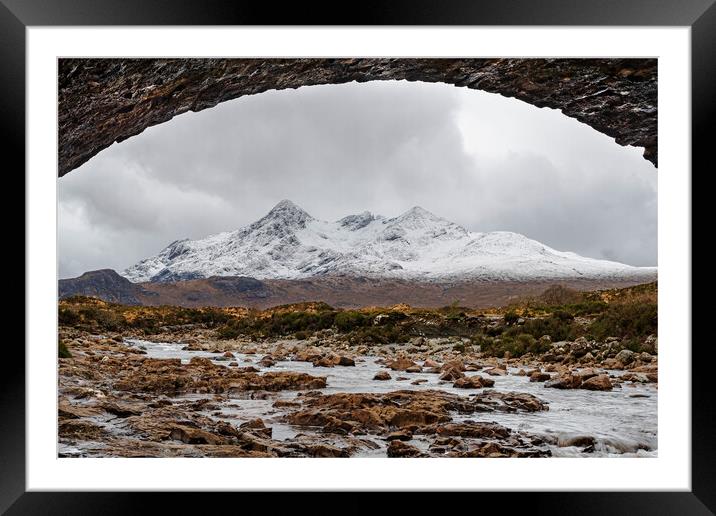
[(194, 396), (102, 101)]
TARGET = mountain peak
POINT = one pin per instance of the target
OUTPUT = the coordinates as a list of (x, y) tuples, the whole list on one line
[(419, 211), (289, 212), (286, 205), (418, 214)]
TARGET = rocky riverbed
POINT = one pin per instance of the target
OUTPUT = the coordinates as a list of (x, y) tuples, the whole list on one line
[(188, 394)]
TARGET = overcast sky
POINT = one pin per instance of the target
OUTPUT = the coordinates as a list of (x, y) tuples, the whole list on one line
[(482, 160)]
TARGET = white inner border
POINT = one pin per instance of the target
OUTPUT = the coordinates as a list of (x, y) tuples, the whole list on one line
[(671, 470)]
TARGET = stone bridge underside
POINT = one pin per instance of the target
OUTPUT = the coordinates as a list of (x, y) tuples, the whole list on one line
[(102, 101)]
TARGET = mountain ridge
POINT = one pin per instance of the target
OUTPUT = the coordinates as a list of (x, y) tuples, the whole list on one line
[(341, 292), (289, 243)]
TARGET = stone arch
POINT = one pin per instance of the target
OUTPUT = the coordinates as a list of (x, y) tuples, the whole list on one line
[(102, 101)]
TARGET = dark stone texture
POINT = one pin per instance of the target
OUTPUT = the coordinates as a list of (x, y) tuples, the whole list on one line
[(102, 101)]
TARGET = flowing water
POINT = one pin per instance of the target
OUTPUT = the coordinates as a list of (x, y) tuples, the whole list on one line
[(622, 422)]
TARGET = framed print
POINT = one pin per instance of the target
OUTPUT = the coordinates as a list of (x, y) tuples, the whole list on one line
[(433, 249)]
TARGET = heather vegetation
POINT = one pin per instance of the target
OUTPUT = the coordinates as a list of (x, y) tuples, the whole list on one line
[(92, 314), (527, 326)]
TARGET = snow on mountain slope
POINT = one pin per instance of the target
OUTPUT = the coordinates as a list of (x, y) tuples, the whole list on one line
[(288, 243)]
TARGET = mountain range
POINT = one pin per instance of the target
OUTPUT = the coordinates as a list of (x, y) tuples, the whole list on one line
[(416, 246)]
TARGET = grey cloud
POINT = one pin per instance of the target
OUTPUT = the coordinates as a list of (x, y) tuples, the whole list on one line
[(481, 160)]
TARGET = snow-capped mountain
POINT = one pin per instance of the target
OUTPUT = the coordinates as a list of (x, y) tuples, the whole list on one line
[(288, 243)]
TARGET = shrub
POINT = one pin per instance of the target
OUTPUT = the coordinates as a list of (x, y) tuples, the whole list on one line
[(378, 335), (108, 320), (511, 318), (560, 295), (228, 331), (516, 345), (67, 317), (559, 326), (350, 319), (62, 351), (626, 321)]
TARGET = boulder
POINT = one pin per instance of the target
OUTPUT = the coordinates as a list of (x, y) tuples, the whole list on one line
[(625, 357), (400, 435), (456, 364), (587, 373), (401, 364), (381, 375), (474, 430), (650, 345), (565, 381), (346, 361), (431, 363), (267, 361), (450, 375), (597, 383), (473, 382), (398, 448), (539, 376)]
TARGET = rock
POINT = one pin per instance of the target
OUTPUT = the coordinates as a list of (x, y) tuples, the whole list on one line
[(431, 363), (496, 371), (634, 377), (419, 381), (579, 347), (80, 429), (398, 448), (381, 375), (121, 410), (580, 441), (401, 435), (586, 373), (650, 345), (451, 375), (539, 376), (645, 357), (625, 357), (479, 430), (414, 369), (286, 403), (346, 361), (566, 381), (597, 383), (267, 361), (473, 382), (456, 364), (228, 354), (194, 436), (66, 410), (401, 364), (326, 361), (98, 105), (254, 423)]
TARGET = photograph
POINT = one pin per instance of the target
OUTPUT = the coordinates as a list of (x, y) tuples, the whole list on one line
[(357, 257)]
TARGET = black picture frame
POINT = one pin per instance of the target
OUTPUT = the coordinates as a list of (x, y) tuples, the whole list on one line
[(700, 15)]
